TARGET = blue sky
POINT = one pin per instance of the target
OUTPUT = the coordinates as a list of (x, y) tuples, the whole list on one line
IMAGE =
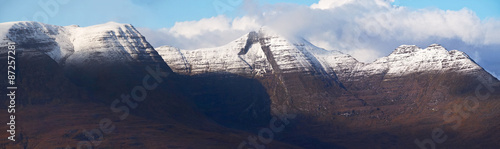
[(483, 8), (158, 14), (147, 13)]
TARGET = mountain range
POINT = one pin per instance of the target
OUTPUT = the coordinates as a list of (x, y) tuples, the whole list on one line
[(71, 77)]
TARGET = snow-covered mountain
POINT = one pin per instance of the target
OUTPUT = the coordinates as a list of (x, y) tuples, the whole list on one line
[(73, 45), (408, 59), (326, 95), (267, 52), (243, 56), (257, 53)]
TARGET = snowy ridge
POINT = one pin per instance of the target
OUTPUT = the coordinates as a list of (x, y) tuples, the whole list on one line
[(408, 59), (247, 55), (290, 55), (255, 53), (114, 41), (242, 56), (332, 61), (298, 55), (109, 42)]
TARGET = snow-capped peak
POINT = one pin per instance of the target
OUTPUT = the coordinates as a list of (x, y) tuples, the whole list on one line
[(258, 52), (73, 44), (409, 59), (241, 56)]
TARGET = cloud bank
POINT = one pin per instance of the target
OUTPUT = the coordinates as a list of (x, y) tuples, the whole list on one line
[(366, 29)]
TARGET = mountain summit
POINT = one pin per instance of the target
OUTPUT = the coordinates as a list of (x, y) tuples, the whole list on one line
[(256, 53)]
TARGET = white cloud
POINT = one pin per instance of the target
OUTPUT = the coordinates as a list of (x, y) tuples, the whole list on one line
[(190, 29), (208, 32), (193, 29), (245, 23), (331, 4), (367, 29), (327, 4), (365, 54)]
